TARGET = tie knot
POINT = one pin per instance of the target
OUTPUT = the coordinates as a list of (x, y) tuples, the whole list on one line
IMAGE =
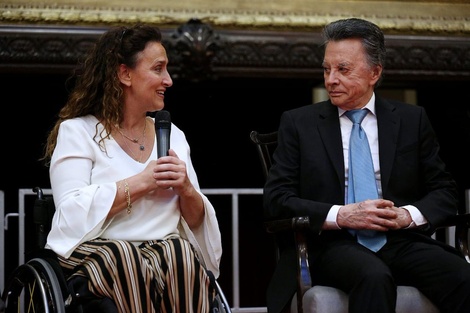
[(356, 116)]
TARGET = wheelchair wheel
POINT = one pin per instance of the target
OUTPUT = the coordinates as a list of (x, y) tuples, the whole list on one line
[(33, 287), (222, 305)]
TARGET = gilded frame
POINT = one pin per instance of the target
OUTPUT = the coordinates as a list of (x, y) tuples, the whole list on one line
[(432, 17)]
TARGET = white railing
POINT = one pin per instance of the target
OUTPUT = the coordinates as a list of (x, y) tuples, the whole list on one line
[(2, 241), (233, 192)]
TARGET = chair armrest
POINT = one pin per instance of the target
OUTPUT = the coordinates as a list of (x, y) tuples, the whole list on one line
[(294, 224), (462, 226), (299, 227), (462, 231)]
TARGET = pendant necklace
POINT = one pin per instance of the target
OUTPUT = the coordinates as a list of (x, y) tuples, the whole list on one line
[(136, 140), (133, 155)]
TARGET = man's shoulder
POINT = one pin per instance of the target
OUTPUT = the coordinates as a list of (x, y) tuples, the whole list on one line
[(394, 106), (313, 108), (395, 103)]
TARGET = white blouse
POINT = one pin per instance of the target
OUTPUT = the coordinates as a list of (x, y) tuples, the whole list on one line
[(83, 181)]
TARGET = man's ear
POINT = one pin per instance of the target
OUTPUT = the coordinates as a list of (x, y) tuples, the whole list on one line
[(376, 73), (124, 75)]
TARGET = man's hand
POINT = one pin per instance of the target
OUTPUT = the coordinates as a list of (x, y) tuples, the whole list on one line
[(403, 217), (378, 214)]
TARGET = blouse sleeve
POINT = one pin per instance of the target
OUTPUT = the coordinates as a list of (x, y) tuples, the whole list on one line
[(206, 239), (70, 173)]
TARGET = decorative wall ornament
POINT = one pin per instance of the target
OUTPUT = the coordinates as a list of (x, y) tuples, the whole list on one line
[(191, 50)]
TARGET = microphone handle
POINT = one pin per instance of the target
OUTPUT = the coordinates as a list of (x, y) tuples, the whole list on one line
[(163, 142)]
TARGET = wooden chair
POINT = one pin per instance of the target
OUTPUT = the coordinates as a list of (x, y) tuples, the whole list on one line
[(322, 299)]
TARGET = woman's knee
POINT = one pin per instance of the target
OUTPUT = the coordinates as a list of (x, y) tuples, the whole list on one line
[(117, 255)]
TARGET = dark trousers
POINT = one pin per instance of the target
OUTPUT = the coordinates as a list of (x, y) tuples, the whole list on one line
[(371, 278)]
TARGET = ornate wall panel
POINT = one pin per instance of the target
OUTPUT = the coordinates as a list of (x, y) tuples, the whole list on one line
[(210, 39), (199, 51)]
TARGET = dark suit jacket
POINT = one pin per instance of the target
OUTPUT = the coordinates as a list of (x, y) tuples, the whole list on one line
[(307, 176)]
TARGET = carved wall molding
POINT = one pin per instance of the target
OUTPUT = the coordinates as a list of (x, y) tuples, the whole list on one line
[(416, 17), (199, 51)]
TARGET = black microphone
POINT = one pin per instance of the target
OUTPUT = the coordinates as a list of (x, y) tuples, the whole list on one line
[(162, 131)]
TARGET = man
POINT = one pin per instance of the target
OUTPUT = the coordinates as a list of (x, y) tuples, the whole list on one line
[(415, 193)]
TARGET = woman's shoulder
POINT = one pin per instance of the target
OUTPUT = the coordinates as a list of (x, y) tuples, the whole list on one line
[(87, 123), (81, 120)]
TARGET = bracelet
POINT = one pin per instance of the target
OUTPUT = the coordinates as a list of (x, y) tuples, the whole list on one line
[(127, 192)]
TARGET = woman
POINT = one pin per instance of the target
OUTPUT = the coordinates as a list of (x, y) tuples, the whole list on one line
[(137, 227)]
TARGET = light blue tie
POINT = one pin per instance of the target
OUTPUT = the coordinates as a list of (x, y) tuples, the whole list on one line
[(361, 183)]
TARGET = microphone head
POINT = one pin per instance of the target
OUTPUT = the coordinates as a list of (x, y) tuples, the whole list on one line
[(163, 119)]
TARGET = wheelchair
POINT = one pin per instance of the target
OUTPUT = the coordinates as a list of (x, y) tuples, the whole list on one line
[(40, 286)]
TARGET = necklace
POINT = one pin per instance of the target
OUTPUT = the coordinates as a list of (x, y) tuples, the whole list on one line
[(135, 140), (139, 159)]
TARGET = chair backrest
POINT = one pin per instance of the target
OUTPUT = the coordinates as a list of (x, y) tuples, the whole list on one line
[(265, 144)]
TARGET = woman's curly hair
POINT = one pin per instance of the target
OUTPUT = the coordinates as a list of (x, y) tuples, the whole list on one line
[(97, 89)]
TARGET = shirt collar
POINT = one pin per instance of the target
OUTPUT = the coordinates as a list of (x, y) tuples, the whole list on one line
[(370, 106)]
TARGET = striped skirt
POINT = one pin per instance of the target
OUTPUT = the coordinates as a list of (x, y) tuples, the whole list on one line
[(157, 276)]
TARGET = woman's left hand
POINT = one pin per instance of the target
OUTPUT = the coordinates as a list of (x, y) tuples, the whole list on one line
[(170, 172)]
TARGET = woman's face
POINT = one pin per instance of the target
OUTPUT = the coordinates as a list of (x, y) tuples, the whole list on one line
[(149, 79)]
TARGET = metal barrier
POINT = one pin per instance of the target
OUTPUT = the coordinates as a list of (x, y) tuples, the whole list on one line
[(233, 192)]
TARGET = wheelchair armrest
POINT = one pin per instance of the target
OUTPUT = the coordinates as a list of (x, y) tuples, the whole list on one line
[(299, 227)]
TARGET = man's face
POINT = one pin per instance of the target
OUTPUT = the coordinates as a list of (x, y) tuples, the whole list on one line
[(349, 79)]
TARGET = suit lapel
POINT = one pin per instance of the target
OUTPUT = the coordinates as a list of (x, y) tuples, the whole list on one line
[(388, 127), (330, 133)]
